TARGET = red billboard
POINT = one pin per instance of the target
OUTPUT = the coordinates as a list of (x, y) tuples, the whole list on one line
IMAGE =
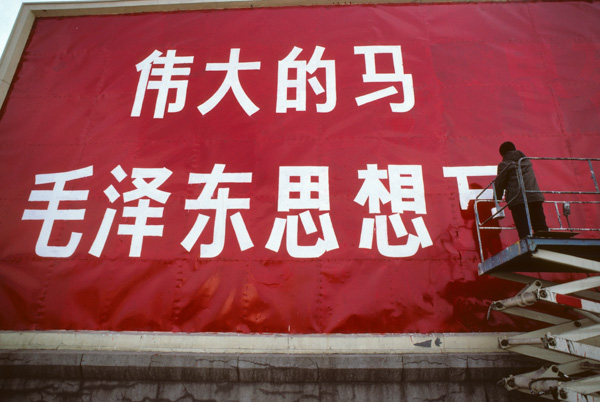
[(283, 170)]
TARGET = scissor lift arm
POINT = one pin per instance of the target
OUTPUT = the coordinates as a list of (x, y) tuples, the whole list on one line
[(571, 346)]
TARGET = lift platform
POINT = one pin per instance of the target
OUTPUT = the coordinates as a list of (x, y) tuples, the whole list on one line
[(570, 311), (537, 254)]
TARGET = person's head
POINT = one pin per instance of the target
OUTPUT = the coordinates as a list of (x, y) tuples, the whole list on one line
[(506, 147)]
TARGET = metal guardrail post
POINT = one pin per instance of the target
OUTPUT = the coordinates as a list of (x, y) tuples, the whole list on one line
[(593, 175), (524, 194)]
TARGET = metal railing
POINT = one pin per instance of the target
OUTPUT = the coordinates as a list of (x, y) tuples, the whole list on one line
[(498, 211)]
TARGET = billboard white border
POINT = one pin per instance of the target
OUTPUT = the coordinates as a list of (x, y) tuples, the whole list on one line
[(214, 342)]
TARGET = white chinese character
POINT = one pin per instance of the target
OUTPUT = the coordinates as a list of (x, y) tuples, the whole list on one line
[(221, 204), (284, 83), (407, 188), (462, 173), (397, 76), (147, 68), (231, 82), (52, 213), (109, 215), (373, 189), (407, 193), (144, 192), (297, 195)]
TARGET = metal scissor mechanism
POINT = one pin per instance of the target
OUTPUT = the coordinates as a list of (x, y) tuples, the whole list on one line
[(571, 345)]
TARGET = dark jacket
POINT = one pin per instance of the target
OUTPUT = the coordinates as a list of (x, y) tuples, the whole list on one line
[(507, 179)]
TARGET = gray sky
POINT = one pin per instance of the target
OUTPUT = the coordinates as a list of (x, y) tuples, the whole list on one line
[(8, 14)]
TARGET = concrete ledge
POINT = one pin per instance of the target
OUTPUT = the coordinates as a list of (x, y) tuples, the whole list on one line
[(255, 368), (208, 343)]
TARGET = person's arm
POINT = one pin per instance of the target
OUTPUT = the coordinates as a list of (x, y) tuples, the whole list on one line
[(501, 179)]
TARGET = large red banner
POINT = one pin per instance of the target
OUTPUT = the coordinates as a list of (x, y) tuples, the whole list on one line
[(303, 170)]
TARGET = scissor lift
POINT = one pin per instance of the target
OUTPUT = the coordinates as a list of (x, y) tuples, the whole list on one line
[(570, 342)]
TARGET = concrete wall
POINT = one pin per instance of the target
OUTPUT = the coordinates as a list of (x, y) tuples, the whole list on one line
[(42, 375)]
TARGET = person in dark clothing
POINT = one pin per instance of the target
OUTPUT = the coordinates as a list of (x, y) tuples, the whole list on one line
[(507, 179)]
